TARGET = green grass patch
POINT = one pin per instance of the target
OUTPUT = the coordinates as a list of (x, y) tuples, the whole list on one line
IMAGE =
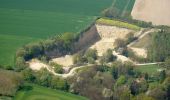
[(35, 92), (9, 45), (23, 21), (150, 69), (117, 23)]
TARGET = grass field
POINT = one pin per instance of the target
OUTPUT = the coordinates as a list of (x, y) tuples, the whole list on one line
[(124, 6), (24, 21), (117, 23), (42, 93), (150, 69)]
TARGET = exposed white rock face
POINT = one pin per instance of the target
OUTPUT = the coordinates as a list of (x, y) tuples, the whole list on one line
[(108, 36)]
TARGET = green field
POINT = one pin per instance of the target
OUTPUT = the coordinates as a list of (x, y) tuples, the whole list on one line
[(41, 93), (117, 23), (124, 6), (150, 69), (24, 21)]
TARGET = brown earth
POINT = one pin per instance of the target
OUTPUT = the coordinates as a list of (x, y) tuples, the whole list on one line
[(155, 11)]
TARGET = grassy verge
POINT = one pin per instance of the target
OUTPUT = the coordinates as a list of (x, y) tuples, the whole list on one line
[(117, 23)]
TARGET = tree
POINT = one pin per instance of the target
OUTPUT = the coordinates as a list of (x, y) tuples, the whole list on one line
[(158, 94), (59, 83), (114, 71), (28, 75), (57, 68), (120, 43), (20, 64), (160, 46), (108, 56), (92, 53), (79, 58), (167, 62), (90, 60), (122, 93), (43, 77), (146, 76), (121, 80), (134, 87), (130, 37), (162, 75)]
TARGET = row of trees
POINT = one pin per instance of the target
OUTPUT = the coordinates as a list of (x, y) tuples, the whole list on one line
[(160, 46), (119, 82), (115, 13), (45, 78), (44, 50), (90, 56)]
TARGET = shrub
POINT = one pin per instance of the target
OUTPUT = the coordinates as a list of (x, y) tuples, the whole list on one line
[(59, 83), (120, 43), (58, 68), (79, 58), (10, 82), (92, 53), (108, 56), (20, 64), (121, 80)]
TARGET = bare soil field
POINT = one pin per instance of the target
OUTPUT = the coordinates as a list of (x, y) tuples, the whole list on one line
[(155, 11)]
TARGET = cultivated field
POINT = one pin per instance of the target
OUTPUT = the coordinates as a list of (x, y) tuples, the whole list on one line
[(35, 92), (123, 6), (155, 11), (24, 21)]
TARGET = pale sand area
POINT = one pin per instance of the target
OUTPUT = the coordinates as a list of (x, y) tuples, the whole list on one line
[(65, 61), (108, 36), (155, 11)]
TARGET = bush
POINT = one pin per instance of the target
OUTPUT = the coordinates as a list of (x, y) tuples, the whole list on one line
[(10, 82), (20, 64), (58, 68), (91, 53), (90, 60), (108, 56), (130, 38), (120, 43), (121, 80), (43, 77), (59, 83), (79, 58), (28, 75)]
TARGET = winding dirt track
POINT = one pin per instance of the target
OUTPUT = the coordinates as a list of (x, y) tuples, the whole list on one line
[(37, 65)]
